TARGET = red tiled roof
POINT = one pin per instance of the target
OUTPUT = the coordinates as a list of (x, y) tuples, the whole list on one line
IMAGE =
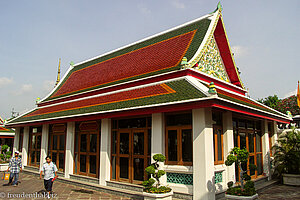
[(165, 54), (155, 90)]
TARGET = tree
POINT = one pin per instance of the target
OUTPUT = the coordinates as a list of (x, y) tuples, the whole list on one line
[(271, 101), (239, 157), (282, 105), (288, 104), (6, 155), (287, 153), (152, 185)]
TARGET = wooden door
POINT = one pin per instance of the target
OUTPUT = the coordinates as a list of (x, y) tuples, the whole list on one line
[(35, 149), (131, 155), (88, 155)]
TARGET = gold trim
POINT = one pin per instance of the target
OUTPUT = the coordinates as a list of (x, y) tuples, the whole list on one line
[(196, 60), (206, 42), (237, 72)]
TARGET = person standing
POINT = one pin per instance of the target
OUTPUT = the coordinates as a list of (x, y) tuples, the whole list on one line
[(49, 169), (15, 167)]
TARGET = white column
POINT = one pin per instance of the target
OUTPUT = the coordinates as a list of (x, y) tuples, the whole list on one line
[(203, 155), (16, 140), (228, 144), (69, 154), (275, 134), (158, 140), (266, 149), (44, 145), (105, 151), (25, 146)]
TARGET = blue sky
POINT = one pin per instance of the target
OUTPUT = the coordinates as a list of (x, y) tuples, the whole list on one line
[(34, 34)]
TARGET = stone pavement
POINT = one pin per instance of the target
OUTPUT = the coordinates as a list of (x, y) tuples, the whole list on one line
[(280, 192), (32, 185)]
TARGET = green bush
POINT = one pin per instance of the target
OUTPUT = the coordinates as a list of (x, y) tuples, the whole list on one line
[(287, 153), (6, 155), (149, 183), (240, 156), (150, 169), (246, 177), (159, 190), (230, 184), (248, 190), (249, 184), (155, 174), (159, 158)]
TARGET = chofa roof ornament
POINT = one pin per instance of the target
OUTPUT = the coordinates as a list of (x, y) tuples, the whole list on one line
[(184, 63), (212, 88)]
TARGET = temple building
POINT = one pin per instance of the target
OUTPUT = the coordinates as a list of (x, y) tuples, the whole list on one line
[(6, 136), (177, 93)]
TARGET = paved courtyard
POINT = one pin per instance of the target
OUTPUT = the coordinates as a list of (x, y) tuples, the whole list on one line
[(280, 192), (32, 185)]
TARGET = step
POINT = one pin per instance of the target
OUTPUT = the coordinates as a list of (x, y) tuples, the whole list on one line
[(97, 187), (140, 188), (260, 184), (118, 188), (37, 169), (32, 168), (267, 184), (84, 178), (127, 186)]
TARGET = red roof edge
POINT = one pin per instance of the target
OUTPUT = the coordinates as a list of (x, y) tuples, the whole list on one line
[(222, 42)]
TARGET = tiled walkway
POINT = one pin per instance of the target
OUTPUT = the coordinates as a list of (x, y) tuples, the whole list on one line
[(280, 192), (32, 185)]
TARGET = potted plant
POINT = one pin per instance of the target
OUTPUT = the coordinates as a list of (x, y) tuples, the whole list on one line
[(152, 187), (246, 189), (4, 157), (287, 157)]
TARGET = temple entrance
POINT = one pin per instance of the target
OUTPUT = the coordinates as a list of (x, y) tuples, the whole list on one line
[(247, 134), (35, 140), (87, 145), (130, 153)]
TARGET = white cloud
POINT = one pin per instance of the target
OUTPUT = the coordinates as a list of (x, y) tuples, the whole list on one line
[(178, 4), (5, 81), (143, 9), (48, 85), (25, 88), (239, 51), (294, 92)]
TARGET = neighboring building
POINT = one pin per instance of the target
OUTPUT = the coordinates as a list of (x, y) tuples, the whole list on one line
[(6, 135), (110, 114), (296, 120)]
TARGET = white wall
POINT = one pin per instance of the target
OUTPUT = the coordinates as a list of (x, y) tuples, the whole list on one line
[(105, 151), (69, 154), (203, 155)]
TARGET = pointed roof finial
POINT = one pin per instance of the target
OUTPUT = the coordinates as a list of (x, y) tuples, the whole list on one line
[(58, 74), (219, 8)]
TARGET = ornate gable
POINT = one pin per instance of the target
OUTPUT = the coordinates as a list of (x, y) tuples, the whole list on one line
[(211, 61)]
